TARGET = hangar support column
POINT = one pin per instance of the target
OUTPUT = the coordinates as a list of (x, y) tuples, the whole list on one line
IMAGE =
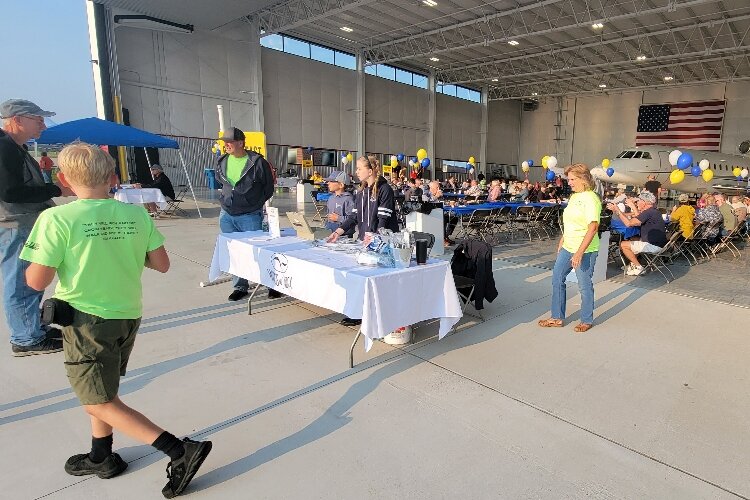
[(432, 116), (360, 109), (483, 130), (255, 60)]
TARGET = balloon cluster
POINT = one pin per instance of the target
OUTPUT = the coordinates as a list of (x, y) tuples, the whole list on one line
[(345, 159), (471, 164), (684, 163), (740, 173)]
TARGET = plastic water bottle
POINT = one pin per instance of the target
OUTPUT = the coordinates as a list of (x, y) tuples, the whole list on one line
[(264, 224)]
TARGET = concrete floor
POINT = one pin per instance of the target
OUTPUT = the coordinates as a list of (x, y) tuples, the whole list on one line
[(651, 403)]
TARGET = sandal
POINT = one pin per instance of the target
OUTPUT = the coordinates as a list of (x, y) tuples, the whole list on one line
[(550, 323), (583, 327)]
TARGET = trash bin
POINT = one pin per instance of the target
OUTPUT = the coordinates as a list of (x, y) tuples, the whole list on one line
[(211, 178)]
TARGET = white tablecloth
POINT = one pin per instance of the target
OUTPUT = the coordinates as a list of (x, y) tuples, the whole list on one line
[(384, 298), (143, 195)]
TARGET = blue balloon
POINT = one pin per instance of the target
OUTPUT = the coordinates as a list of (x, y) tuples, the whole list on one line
[(310, 149), (684, 161), (414, 159), (400, 157), (531, 163), (610, 172), (469, 166), (550, 175), (696, 171), (739, 178), (425, 163)]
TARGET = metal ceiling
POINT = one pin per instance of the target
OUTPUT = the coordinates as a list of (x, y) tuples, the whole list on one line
[(558, 52)]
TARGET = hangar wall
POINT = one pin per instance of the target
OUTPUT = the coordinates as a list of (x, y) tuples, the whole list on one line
[(601, 126)]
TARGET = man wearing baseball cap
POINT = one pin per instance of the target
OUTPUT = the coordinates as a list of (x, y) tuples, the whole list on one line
[(247, 183), (653, 230), (24, 194)]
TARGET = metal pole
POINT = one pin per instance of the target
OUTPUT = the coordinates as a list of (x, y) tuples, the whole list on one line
[(190, 184), (220, 110)]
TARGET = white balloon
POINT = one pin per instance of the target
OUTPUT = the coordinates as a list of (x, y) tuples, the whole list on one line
[(525, 165), (344, 160), (704, 164), (744, 173), (394, 157), (411, 163), (471, 170), (673, 157)]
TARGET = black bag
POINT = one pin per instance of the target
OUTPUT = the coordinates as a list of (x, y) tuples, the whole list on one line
[(58, 312)]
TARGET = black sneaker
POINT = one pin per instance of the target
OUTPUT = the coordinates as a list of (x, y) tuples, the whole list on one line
[(54, 333), (237, 295), (181, 471), (350, 322), (46, 346), (81, 465)]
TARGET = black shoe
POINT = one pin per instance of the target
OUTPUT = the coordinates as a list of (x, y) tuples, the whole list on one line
[(181, 471), (273, 294), (81, 465), (54, 333), (46, 346), (238, 294), (350, 322)]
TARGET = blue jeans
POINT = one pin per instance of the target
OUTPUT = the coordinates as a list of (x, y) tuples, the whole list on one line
[(584, 273), (20, 301), (47, 174), (237, 224)]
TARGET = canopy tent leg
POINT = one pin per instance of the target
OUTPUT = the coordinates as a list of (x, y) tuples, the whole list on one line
[(190, 184)]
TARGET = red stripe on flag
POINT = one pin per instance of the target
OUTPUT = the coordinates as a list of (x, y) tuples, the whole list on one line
[(696, 104), (694, 113), (708, 119), (691, 144)]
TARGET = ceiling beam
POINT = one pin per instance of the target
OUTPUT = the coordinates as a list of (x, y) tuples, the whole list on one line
[(294, 14)]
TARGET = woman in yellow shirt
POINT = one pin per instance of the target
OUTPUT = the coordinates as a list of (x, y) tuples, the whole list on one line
[(577, 249), (684, 215)]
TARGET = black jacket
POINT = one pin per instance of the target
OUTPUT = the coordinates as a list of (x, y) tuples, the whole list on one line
[(163, 184), (370, 214), (23, 192), (473, 259), (251, 191)]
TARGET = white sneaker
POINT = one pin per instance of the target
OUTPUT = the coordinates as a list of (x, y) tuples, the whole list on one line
[(634, 271)]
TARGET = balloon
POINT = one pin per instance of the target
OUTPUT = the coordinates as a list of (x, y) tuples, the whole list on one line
[(310, 149), (531, 163), (676, 176), (744, 173), (673, 157), (425, 163), (469, 166), (610, 172), (551, 162), (471, 170), (684, 161), (605, 162), (739, 178), (472, 160), (344, 160), (525, 166), (696, 171), (421, 154), (704, 164), (394, 162), (707, 174), (411, 163), (544, 161), (550, 175), (414, 159), (400, 157), (736, 171)]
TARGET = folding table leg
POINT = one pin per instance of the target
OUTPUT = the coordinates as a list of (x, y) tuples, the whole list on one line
[(351, 351), (250, 299)]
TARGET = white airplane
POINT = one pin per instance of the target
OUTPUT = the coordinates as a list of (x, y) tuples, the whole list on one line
[(633, 166)]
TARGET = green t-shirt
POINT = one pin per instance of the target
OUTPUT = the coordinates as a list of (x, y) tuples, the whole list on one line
[(234, 168), (583, 209), (99, 250)]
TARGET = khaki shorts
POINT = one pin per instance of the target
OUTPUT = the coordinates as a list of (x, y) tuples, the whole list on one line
[(643, 247), (96, 355)]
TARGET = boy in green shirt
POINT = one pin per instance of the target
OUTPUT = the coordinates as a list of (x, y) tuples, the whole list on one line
[(98, 247)]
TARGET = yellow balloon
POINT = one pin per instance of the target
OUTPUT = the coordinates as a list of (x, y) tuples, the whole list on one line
[(472, 160), (544, 161), (394, 162), (421, 154), (736, 171), (676, 176), (605, 162), (349, 156), (707, 174), (525, 168)]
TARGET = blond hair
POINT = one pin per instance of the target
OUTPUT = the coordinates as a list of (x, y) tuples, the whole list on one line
[(86, 164), (582, 172), (373, 164)]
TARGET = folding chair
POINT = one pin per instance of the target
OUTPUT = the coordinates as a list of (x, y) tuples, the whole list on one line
[(321, 208), (477, 223), (726, 242), (523, 219), (658, 260), (173, 206)]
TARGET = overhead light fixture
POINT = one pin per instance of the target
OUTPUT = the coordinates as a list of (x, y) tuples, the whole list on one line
[(430, 3), (640, 58), (347, 29), (494, 79), (597, 26), (534, 93), (513, 42), (434, 59), (602, 85), (668, 78)]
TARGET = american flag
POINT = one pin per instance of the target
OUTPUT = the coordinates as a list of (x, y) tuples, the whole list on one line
[(688, 125)]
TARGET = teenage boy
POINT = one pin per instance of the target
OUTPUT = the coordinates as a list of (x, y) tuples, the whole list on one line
[(82, 242), (340, 204)]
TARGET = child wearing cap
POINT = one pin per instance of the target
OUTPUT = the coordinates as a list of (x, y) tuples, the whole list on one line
[(82, 242), (340, 203)]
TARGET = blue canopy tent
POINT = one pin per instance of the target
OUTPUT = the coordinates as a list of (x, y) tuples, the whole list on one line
[(102, 132)]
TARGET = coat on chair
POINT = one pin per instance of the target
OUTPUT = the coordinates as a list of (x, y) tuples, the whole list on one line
[(473, 259)]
